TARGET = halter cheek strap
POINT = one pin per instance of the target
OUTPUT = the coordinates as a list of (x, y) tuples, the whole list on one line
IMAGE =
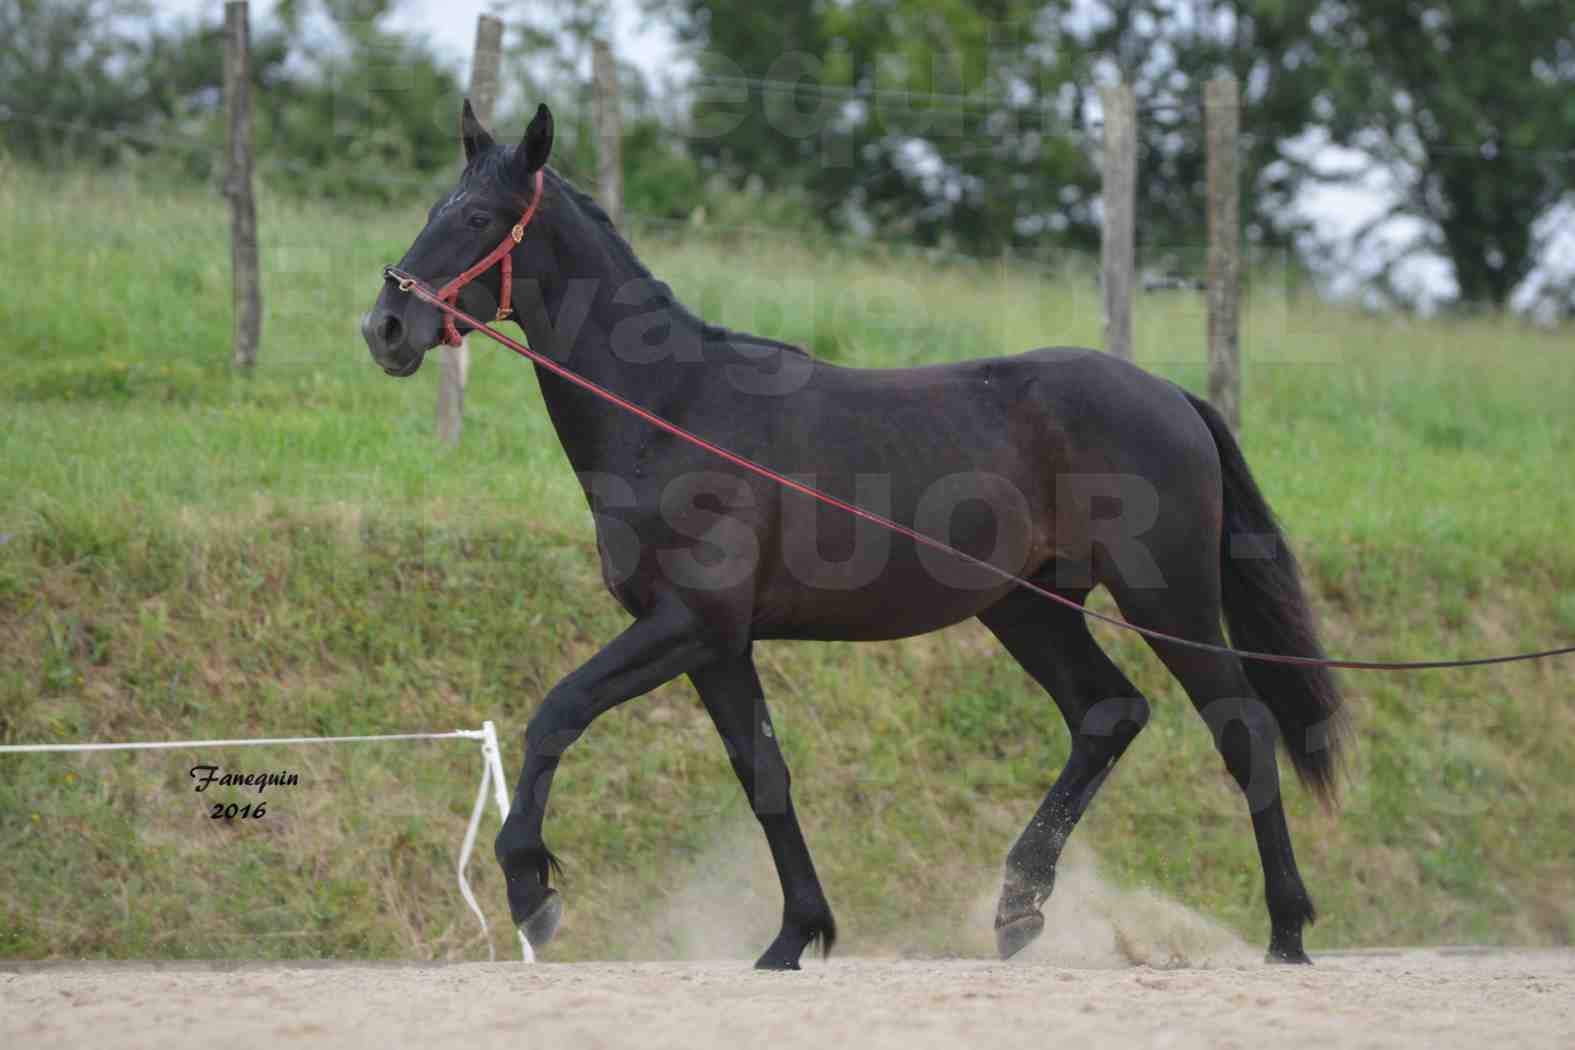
[(449, 293)]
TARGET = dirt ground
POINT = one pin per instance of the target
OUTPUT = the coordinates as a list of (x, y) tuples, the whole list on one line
[(1462, 998)]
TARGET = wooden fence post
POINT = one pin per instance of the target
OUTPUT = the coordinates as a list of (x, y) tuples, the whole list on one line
[(1117, 243), (609, 132), (238, 185), (1221, 116), (483, 93)]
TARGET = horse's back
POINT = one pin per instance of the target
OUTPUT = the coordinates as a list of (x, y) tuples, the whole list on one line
[(1082, 409)]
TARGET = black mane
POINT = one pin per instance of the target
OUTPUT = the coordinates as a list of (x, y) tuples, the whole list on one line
[(599, 218), (624, 252)]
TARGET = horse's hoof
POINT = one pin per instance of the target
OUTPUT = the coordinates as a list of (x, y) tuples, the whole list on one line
[(1293, 956), (542, 923), (1016, 934), (783, 953), (766, 962)]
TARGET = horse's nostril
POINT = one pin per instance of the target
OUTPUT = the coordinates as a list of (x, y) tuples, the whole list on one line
[(390, 330)]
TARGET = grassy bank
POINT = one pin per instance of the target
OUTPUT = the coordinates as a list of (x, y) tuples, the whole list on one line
[(190, 554)]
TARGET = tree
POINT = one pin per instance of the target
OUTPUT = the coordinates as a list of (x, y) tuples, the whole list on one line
[(1467, 106), (365, 113), (940, 122), (1167, 51), (91, 79)]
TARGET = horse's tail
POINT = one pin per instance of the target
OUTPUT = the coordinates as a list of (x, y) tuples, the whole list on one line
[(1267, 611)]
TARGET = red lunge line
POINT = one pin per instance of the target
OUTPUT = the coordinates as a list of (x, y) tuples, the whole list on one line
[(452, 313)]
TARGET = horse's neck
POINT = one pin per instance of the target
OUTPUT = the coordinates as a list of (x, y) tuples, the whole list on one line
[(609, 320)]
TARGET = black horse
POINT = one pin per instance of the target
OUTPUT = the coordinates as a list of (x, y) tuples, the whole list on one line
[(1066, 466)]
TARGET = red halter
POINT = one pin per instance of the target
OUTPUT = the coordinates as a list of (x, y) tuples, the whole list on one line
[(449, 293)]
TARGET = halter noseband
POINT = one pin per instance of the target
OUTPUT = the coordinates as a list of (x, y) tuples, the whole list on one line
[(449, 293)]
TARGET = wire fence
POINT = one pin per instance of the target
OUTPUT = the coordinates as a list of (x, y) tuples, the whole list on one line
[(193, 146), (925, 155), (190, 145)]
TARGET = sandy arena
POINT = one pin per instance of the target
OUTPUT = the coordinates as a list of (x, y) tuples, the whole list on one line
[(1429, 999)]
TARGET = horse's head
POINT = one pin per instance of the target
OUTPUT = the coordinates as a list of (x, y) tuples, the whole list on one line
[(462, 228)]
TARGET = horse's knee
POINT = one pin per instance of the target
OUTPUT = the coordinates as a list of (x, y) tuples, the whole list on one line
[(1111, 725)]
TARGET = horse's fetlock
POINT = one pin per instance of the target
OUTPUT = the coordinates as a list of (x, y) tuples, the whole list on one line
[(1029, 879), (1295, 908)]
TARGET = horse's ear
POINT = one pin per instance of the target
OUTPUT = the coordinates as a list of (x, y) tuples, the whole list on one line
[(475, 137), (536, 146)]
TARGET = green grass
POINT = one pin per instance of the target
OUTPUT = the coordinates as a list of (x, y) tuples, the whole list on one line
[(187, 553)]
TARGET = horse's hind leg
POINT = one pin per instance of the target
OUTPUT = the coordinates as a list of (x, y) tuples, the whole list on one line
[(1245, 732), (1103, 712), (732, 696)]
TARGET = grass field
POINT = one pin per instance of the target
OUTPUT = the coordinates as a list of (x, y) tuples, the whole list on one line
[(185, 553)]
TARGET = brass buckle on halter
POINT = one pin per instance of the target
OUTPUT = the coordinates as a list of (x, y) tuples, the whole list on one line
[(503, 314), (405, 283), (518, 232)]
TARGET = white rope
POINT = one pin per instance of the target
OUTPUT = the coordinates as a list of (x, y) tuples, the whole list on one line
[(491, 776), (173, 745), (464, 855), (500, 793)]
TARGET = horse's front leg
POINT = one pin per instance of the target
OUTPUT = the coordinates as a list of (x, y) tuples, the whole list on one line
[(658, 647)]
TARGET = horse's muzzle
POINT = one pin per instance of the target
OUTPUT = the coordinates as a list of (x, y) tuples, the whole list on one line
[(385, 336)]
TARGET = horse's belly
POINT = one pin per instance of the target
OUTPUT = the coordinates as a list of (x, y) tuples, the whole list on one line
[(890, 587), (877, 613)]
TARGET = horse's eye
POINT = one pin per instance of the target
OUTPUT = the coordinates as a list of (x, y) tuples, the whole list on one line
[(478, 222)]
